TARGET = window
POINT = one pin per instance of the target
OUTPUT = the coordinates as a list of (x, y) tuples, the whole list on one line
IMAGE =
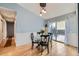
[(61, 25)]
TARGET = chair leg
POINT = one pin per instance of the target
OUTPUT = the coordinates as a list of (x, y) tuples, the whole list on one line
[(51, 41), (32, 45), (41, 49), (47, 49)]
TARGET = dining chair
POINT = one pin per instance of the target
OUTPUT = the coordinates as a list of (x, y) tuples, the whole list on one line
[(44, 42), (33, 40)]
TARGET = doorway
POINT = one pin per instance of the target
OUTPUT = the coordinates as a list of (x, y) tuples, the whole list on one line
[(10, 29), (10, 33)]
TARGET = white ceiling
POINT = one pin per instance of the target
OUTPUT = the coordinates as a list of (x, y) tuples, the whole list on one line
[(53, 9)]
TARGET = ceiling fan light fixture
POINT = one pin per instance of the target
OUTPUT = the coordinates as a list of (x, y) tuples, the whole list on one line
[(42, 4), (43, 11), (40, 13)]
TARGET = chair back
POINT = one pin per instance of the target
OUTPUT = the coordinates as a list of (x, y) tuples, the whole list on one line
[(32, 36)]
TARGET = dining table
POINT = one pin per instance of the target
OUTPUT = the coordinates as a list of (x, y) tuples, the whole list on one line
[(45, 40)]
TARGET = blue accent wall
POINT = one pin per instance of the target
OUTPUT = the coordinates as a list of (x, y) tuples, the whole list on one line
[(26, 21)]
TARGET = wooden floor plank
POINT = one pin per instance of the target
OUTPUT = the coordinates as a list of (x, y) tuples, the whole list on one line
[(58, 49)]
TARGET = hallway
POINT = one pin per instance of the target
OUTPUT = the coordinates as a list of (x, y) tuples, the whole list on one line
[(58, 49)]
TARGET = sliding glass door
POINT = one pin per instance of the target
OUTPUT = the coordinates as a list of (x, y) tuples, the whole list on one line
[(61, 31), (53, 30), (58, 30)]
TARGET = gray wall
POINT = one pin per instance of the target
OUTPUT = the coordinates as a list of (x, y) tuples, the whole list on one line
[(26, 21)]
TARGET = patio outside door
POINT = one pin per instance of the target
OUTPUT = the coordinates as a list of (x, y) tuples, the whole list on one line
[(61, 31), (53, 30), (58, 30)]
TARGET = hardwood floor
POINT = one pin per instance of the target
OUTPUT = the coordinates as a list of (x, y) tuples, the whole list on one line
[(7, 42), (58, 49)]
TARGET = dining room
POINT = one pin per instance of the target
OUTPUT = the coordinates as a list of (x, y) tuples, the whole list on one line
[(48, 29)]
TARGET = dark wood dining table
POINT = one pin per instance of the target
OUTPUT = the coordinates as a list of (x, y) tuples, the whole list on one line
[(45, 39)]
